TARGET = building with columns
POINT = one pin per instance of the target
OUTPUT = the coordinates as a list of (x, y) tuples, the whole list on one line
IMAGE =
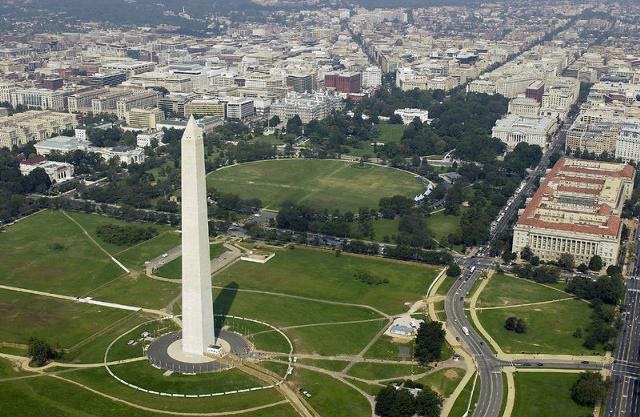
[(576, 210)]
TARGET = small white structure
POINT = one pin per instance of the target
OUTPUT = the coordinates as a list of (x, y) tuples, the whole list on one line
[(408, 115), (215, 350), (144, 139), (400, 330)]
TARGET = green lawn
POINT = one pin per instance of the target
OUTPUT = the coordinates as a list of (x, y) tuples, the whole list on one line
[(136, 256), (318, 274), (284, 311), (377, 371), (445, 286), (99, 379), (554, 388), (386, 348), (56, 321), (146, 376), (331, 365), (139, 291), (91, 222), (550, 327), (390, 132), (9, 370), (47, 396), (505, 290), (270, 139), (174, 268), (441, 225), (385, 227), (462, 402), (93, 350), (330, 397), (48, 252), (334, 339), (444, 381), (319, 183)]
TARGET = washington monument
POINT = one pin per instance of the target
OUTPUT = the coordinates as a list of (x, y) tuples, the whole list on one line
[(197, 301)]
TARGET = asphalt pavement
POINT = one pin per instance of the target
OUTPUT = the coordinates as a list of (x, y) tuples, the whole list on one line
[(624, 395)]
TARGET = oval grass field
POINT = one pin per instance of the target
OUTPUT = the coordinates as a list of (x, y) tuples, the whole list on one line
[(316, 183)]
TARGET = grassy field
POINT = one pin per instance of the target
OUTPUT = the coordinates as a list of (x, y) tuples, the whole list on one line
[(331, 365), (377, 371), (441, 225), (318, 183), (330, 397), (135, 256), (317, 274), (550, 327), (174, 268), (443, 381), (385, 227), (446, 285), (48, 252), (139, 291), (91, 222), (9, 370), (460, 406), (386, 348), (334, 339), (270, 308), (56, 321), (506, 290), (390, 133), (50, 397), (146, 376), (555, 388)]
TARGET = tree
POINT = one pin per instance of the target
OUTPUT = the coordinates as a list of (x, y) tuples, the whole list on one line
[(521, 326), (595, 263), (582, 268), (566, 261), (428, 403), (429, 342), (392, 402), (526, 253), (453, 270), (274, 121), (508, 256), (589, 389), (294, 125), (510, 323), (40, 351), (515, 324)]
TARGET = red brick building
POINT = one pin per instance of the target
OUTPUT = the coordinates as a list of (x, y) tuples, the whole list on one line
[(343, 82)]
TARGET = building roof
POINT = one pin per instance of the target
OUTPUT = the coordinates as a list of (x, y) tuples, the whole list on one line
[(34, 161), (579, 196)]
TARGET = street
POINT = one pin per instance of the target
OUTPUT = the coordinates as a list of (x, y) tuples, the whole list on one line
[(624, 396)]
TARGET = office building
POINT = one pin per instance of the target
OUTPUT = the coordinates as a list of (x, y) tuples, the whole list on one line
[(576, 210)]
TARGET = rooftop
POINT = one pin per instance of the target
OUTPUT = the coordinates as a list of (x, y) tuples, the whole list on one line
[(581, 197)]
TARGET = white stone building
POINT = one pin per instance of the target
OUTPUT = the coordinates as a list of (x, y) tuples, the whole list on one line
[(513, 129)]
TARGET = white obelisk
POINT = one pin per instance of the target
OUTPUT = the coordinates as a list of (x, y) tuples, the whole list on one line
[(197, 301)]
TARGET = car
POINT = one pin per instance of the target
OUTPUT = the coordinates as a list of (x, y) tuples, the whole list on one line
[(585, 362), (164, 255), (540, 364)]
